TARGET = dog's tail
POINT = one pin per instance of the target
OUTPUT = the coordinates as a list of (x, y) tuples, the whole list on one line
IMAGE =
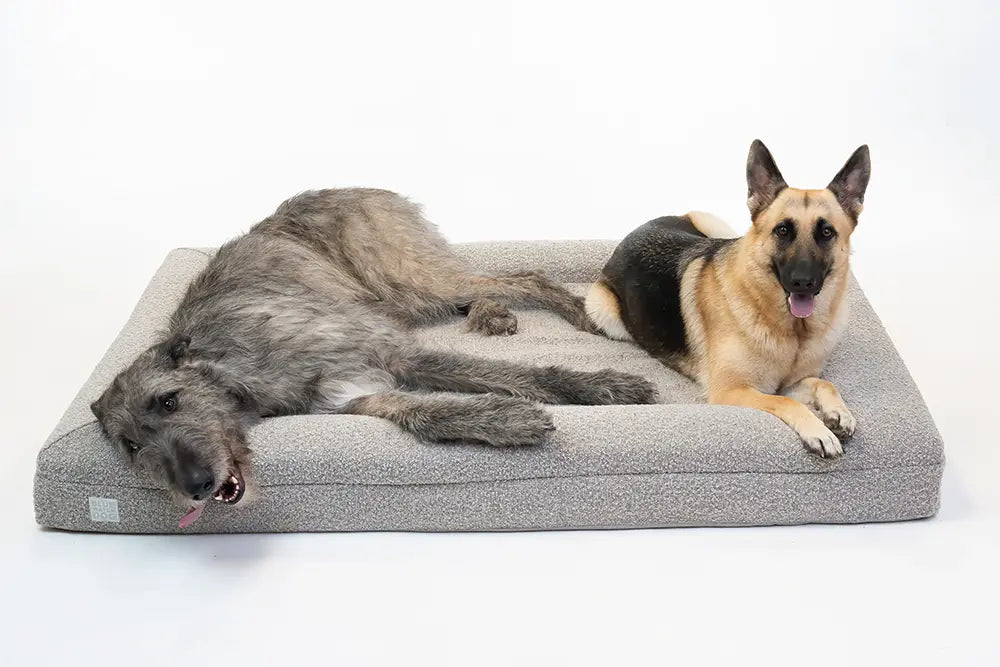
[(711, 226)]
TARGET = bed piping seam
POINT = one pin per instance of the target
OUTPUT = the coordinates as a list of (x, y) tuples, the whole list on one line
[(938, 464)]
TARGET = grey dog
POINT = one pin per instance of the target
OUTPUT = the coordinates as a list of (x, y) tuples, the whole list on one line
[(308, 313)]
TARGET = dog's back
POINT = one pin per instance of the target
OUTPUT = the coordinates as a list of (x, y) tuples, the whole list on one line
[(375, 246), (639, 293)]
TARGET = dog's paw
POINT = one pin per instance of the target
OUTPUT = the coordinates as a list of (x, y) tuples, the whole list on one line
[(517, 423), (491, 318), (839, 420), (501, 325), (821, 441), (610, 387)]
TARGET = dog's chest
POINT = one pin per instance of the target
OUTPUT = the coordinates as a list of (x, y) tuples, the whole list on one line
[(807, 353), (770, 360)]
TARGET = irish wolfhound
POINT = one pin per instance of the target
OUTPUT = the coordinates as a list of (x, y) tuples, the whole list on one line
[(307, 313)]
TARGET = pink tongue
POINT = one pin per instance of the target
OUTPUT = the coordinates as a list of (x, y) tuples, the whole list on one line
[(191, 516), (801, 305)]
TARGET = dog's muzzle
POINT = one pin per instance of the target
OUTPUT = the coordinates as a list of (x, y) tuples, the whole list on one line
[(229, 492)]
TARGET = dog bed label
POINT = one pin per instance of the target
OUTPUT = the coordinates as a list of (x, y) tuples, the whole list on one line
[(104, 510)]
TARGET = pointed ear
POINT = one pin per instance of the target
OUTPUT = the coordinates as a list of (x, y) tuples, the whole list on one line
[(98, 410), (764, 181), (851, 181), (178, 348)]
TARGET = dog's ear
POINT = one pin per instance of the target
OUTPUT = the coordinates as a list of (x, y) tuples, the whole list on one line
[(98, 410), (764, 181), (177, 348), (851, 181), (241, 396)]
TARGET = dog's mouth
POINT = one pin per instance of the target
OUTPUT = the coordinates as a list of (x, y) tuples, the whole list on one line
[(801, 305), (229, 492)]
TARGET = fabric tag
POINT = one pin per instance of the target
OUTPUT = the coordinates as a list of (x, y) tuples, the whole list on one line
[(104, 510)]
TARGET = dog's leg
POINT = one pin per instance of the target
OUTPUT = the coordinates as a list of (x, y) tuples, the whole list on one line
[(823, 397), (817, 438), (491, 318), (500, 421), (531, 289), (444, 371)]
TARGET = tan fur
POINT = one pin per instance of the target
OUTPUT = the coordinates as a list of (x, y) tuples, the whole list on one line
[(818, 438), (604, 310), (694, 323), (710, 225), (752, 346), (824, 398)]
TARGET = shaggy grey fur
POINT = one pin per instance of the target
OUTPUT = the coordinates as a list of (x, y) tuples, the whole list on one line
[(308, 313)]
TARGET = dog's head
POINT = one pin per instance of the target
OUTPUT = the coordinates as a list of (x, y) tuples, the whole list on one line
[(803, 236), (175, 419)]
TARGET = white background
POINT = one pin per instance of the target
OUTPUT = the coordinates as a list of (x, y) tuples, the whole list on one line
[(132, 128)]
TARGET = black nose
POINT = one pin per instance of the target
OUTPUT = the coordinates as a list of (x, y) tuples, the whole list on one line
[(198, 482), (803, 283), (802, 274)]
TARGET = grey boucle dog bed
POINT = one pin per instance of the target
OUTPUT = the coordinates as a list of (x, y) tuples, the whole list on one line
[(681, 463)]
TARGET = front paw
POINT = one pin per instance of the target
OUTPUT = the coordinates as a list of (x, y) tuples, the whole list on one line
[(840, 420), (821, 441)]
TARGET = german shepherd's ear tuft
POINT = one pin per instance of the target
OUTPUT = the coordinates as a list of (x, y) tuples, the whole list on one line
[(851, 181), (764, 181)]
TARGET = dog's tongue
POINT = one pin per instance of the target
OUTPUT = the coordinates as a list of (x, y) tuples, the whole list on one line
[(191, 516), (802, 305)]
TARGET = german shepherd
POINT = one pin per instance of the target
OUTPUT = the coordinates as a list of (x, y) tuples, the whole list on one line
[(754, 318)]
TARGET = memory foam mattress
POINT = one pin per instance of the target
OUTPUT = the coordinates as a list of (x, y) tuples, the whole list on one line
[(679, 463)]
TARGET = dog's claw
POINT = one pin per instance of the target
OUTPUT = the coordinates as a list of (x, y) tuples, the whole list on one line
[(822, 442), (840, 421)]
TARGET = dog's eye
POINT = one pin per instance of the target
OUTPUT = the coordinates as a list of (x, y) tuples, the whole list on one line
[(131, 445), (169, 403), (782, 230), (827, 232)]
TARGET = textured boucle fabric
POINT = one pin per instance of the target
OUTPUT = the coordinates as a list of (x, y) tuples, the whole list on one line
[(679, 463)]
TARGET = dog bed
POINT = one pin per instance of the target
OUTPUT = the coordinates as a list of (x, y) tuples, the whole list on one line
[(679, 463)]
